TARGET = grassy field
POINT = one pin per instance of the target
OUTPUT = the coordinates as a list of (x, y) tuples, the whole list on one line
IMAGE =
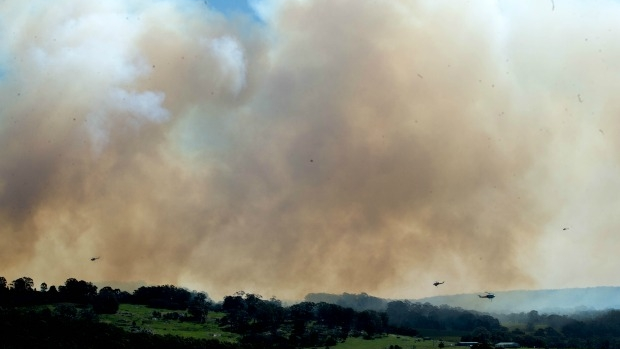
[(139, 317), (131, 317), (404, 342)]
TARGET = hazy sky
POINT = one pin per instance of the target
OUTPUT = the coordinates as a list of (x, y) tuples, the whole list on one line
[(312, 145)]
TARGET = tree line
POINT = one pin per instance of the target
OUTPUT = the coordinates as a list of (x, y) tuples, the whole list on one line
[(21, 292), (266, 323), (584, 329), (306, 324)]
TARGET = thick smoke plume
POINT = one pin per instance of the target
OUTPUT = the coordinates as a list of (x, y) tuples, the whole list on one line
[(331, 146)]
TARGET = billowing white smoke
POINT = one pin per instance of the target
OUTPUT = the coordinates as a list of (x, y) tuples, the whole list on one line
[(351, 145)]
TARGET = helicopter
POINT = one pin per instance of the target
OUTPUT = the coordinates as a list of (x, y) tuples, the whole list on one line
[(94, 259), (437, 283), (488, 295)]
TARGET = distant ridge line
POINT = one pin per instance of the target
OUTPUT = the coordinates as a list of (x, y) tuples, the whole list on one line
[(557, 301)]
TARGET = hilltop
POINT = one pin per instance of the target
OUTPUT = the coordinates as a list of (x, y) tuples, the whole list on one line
[(558, 301)]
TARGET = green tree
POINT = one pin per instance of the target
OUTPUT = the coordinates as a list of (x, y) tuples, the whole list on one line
[(300, 314), (237, 316), (481, 334), (65, 311), (269, 315), (198, 306), (532, 319)]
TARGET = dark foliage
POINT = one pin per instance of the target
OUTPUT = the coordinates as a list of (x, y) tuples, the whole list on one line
[(249, 314), (198, 306), (72, 322), (167, 297), (264, 340), (68, 329), (106, 302), (405, 314), (305, 324), (75, 291)]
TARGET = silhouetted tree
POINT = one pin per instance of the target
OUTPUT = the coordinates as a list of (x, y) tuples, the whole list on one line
[(105, 302), (167, 296), (4, 290), (370, 322), (300, 315), (21, 292), (268, 315), (52, 295), (332, 315), (75, 291), (21, 285)]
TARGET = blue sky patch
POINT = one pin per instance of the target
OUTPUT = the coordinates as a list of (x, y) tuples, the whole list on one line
[(232, 7)]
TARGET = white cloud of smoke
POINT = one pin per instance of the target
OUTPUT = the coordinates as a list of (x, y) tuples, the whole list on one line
[(338, 146)]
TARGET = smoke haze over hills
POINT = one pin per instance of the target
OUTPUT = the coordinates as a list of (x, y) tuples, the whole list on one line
[(312, 146), (564, 301)]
